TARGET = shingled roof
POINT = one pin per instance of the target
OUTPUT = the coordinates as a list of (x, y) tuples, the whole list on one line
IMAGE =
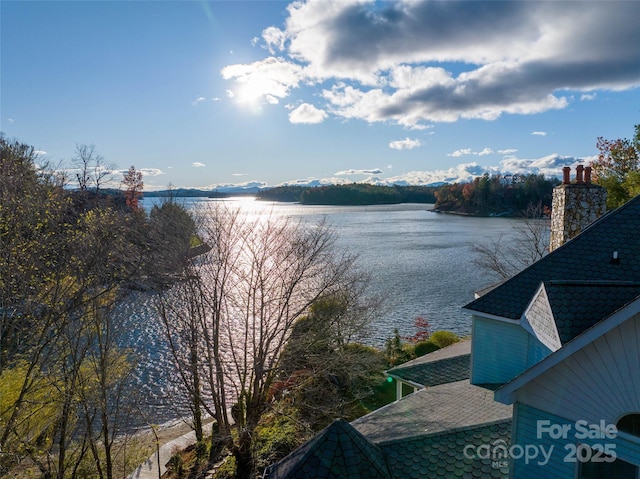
[(439, 409), (423, 435), (578, 306), (443, 455), (339, 452), (430, 371), (587, 257)]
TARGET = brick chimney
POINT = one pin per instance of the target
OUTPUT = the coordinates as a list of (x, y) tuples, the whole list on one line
[(575, 205)]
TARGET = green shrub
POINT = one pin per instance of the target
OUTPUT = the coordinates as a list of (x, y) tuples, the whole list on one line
[(277, 436), (202, 449), (383, 394), (176, 464), (424, 347), (444, 338), (227, 469)]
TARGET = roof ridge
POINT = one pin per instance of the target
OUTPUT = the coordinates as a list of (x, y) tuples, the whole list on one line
[(429, 363), (590, 282)]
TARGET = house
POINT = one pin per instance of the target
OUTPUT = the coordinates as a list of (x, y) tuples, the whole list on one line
[(549, 385), (560, 342)]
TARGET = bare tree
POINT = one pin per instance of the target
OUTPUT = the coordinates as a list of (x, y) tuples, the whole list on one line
[(529, 243), (261, 276), (91, 167)]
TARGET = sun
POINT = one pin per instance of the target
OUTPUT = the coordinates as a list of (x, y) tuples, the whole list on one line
[(250, 95)]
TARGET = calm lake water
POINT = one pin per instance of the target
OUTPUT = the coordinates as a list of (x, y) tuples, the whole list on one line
[(423, 262)]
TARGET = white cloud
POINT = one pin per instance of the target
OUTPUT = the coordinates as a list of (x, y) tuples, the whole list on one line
[(462, 152), (484, 152), (539, 133), (508, 151), (146, 172), (384, 61), (151, 172), (198, 100), (272, 77), (550, 166), (40, 152), (274, 39), (197, 164), (373, 171), (588, 96), (307, 114), (406, 144)]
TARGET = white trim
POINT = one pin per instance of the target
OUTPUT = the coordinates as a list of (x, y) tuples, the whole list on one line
[(407, 382), (491, 316), (399, 382), (506, 394)]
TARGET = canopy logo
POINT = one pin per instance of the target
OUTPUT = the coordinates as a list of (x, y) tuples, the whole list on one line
[(573, 449)]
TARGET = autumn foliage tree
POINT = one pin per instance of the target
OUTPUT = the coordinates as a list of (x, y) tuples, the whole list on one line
[(132, 185), (496, 194), (618, 168)]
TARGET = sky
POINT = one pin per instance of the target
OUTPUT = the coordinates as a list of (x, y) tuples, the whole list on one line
[(202, 94)]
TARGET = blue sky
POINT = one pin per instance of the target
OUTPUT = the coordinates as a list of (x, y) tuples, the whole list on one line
[(206, 94)]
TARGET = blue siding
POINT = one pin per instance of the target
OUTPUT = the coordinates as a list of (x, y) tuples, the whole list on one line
[(560, 464), (537, 351), (526, 428), (499, 351), (628, 450)]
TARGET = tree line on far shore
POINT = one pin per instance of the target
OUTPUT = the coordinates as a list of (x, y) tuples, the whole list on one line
[(351, 194), (484, 196)]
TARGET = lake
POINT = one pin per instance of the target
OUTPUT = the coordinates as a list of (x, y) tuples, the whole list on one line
[(422, 262)]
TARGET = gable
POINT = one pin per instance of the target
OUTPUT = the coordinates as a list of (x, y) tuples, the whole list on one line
[(336, 452), (562, 310), (539, 321)]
